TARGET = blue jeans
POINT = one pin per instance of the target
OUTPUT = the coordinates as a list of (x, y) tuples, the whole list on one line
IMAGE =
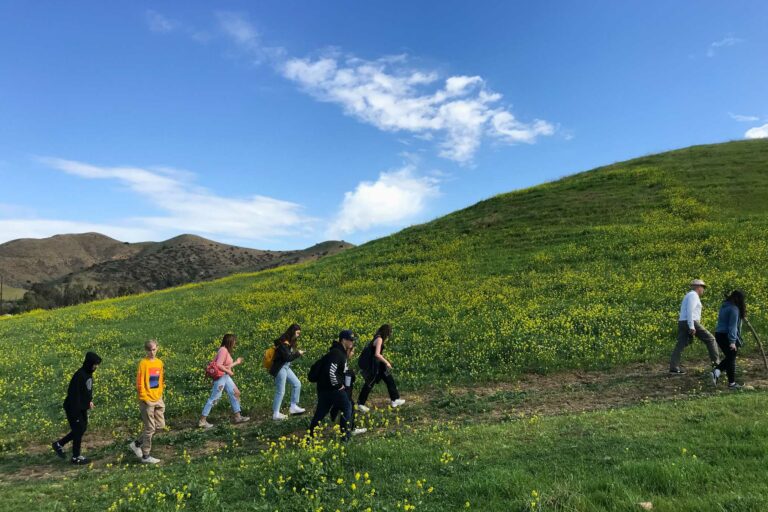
[(284, 374), (223, 383)]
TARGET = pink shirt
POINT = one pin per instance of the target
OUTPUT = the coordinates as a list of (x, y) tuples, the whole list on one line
[(223, 358)]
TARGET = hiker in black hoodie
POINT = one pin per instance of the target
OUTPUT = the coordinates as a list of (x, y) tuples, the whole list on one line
[(330, 385), (79, 400)]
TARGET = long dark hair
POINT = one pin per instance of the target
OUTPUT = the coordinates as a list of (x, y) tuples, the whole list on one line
[(736, 297), (289, 335), (229, 341), (385, 331)]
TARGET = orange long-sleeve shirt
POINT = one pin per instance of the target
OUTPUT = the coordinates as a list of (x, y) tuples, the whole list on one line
[(150, 380)]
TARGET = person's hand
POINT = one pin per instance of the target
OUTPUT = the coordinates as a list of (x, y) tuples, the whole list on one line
[(301, 352), (239, 360), (691, 331), (389, 365), (733, 346), (91, 406)]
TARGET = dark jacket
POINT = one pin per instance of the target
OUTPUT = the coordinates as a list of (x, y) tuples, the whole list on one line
[(370, 367), (283, 354), (80, 390), (334, 368)]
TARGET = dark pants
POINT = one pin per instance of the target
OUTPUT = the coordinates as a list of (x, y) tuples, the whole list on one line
[(368, 386), (335, 410), (684, 339), (78, 422), (326, 400), (728, 365)]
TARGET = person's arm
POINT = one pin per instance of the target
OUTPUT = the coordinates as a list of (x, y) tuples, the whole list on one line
[(377, 353), (141, 388), (690, 304), (733, 327), (333, 373)]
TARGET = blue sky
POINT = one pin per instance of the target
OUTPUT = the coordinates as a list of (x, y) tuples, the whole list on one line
[(281, 124)]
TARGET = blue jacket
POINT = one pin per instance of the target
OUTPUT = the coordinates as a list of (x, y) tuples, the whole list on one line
[(728, 322)]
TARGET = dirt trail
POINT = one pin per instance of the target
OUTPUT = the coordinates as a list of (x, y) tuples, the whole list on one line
[(544, 395)]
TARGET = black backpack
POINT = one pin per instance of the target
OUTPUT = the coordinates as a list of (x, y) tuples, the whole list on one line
[(316, 369)]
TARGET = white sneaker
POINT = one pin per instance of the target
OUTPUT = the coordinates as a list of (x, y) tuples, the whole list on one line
[(362, 408), (398, 402), (715, 376), (204, 424), (149, 460), (279, 417), (359, 431), (295, 409), (135, 449)]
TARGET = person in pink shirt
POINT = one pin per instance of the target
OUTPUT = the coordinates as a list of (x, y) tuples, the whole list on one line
[(224, 382)]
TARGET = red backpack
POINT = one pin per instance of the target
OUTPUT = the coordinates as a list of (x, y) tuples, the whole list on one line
[(212, 370)]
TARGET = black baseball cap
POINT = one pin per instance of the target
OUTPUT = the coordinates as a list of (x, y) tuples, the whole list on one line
[(347, 335)]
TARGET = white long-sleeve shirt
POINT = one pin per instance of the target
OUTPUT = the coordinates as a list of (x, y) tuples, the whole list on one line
[(690, 309)]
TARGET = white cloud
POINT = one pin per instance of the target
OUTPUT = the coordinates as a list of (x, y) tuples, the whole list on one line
[(159, 23), (758, 132), (743, 119), (11, 229), (193, 209), (237, 27), (393, 199), (727, 41), (391, 96)]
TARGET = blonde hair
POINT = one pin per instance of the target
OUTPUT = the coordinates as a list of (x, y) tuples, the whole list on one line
[(149, 344)]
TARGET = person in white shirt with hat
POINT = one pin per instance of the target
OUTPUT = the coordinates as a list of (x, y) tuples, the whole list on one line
[(688, 326)]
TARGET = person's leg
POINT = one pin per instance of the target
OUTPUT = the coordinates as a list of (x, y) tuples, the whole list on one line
[(78, 430), (341, 400), (683, 339), (365, 391), (389, 380), (324, 403), (709, 340), (229, 386), (148, 417), (728, 364), (216, 391), (279, 390), (72, 419), (295, 387)]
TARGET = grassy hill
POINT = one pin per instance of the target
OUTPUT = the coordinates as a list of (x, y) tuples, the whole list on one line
[(584, 272), (587, 271)]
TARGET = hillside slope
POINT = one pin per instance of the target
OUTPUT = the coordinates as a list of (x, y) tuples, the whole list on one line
[(584, 272)]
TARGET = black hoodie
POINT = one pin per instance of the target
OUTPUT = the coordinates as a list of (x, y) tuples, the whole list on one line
[(80, 391), (334, 368)]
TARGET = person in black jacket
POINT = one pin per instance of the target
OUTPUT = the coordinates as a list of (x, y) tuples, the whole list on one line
[(330, 385), (375, 368), (349, 385), (79, 400), (285, 353)]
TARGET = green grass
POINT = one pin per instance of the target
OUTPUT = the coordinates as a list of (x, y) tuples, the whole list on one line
[(704, 454), (585, 272)]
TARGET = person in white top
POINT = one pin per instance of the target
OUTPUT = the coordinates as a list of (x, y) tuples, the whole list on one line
[(688, 326)]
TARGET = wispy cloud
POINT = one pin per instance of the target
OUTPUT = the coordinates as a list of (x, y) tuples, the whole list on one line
[(162, 24), (193, 209), (758, 132), (723, 43), (396, 197), (743, 119), (241, 31), (393, 96)]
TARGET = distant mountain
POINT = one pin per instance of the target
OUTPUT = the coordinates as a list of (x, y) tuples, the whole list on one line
[(110, 268)]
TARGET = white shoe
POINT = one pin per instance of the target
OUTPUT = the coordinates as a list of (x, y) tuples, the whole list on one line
[(359, 431), (149, 460), (715, 376), (398, 402), (204, 424), (295, 409), (279, 417), (135, 449), (362, 408)]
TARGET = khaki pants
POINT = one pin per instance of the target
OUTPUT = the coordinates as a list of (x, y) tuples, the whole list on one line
[(153, 415)]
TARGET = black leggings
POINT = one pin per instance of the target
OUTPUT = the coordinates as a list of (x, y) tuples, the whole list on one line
[(368, 386), (78, 422), (729, 363)]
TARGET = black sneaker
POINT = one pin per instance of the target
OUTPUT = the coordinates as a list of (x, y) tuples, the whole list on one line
[(80, 460), (676, 371), (58, 449)]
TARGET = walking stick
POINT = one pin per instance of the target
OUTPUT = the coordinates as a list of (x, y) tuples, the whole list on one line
[(757, 338)]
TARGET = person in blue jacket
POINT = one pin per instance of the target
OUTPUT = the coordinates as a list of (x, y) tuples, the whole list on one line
[(728, 336)]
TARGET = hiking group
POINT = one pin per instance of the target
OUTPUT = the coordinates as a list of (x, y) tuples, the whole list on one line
[(335, 379), (727, 336), (331, 373)]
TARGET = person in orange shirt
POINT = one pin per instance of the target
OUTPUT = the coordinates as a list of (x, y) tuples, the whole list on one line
[(150, 381)]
